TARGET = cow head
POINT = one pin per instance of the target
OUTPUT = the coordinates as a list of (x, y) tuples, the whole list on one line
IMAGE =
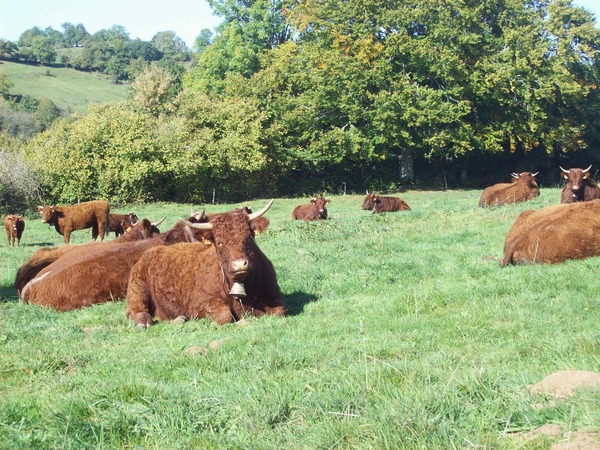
[(143, 229), (368, 201), (320, 203), (49, 214), (133, 218), (575, 177), (232, 234), (527, 178)]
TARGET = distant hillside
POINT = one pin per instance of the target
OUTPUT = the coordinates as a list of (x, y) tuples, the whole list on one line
[(69, 89)]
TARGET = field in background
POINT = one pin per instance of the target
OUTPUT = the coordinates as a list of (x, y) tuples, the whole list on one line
[(69, 89), (403, 332)]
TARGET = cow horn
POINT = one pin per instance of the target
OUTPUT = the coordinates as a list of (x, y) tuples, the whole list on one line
[(257, 214), (159, 222), (566, 171), (586, 170), (198, 226), (534, 174), (514, 175)]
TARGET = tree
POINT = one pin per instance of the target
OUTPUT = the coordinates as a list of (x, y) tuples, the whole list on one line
[(26, 38), (74, 35), (155, 91), (8, 50), (203, 40), (42, 50), (47, 112), (5, 84), (169, 44)]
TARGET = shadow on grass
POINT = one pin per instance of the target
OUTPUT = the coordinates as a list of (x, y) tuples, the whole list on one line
[(296, 301), (8, 294)]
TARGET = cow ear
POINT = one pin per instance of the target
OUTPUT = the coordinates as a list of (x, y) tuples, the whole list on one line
[(259, 225), (564, 175), (312, 200), (586, 175)]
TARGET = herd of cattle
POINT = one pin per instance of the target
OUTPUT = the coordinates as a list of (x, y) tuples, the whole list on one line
[(209, 265)]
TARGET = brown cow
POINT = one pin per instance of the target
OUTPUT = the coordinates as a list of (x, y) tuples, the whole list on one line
[(118, 223), (14, 226), (554, 234), (144, 229), (97, 274), (524, 187), (67, 219), (315, 210), (580, 187), (199, 280), (380, 204)]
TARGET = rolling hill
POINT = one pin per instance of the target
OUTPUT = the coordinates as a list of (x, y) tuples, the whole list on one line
[(69, 89)]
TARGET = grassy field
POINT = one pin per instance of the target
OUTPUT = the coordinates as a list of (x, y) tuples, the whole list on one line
[(403, 332), (67, 88)]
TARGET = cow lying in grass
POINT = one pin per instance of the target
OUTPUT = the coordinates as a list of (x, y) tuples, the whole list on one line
[(315, 210), (523, 187), (42, 258), (380, 204), (225, 277), (554, 234), (98, 273)]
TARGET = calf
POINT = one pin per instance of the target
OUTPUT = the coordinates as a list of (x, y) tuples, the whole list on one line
[(524, 187), (225, 277), (315, 210), (14, 226), (580, 187), (554, 234), (380, 204), (118, 223), (67, 219)]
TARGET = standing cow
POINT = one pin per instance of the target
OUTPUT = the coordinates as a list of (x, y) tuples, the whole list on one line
[(119, 223), (580, 187), (67, 219), (14, 226), (524, 187), (315, 210), (554, 234), (224, 277), (380, 204)]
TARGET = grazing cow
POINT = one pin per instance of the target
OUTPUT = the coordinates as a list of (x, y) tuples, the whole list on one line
[(98, 274), (67, 219), (524, 187), (315, 210), (580, 187), (144, 229), (380, 204), (14, 226), (225, 277), (118, 223), (554, 234)]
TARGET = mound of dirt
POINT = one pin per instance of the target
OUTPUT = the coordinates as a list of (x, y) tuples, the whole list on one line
[(563, 384)]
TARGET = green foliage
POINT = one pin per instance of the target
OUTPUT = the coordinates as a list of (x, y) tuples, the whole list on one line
[(112, 153), (46, 113), (403, 332)]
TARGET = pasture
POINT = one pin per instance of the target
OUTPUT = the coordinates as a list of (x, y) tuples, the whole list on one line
[(69, 89), (403, 332)]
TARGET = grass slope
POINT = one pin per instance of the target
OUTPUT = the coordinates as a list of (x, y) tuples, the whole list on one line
[(403, 332), (69, 89)]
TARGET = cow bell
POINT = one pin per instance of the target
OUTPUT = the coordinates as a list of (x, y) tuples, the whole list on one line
[(237, 290)]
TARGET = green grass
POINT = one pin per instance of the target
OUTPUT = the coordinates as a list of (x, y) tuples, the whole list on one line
[(69, 89), (403, 332)]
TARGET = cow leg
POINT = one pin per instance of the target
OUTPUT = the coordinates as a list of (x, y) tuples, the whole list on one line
[(95, 233), (219, 311), (143, 320)]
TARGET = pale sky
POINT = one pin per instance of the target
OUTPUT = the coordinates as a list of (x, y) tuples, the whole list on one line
[(141, 18)]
